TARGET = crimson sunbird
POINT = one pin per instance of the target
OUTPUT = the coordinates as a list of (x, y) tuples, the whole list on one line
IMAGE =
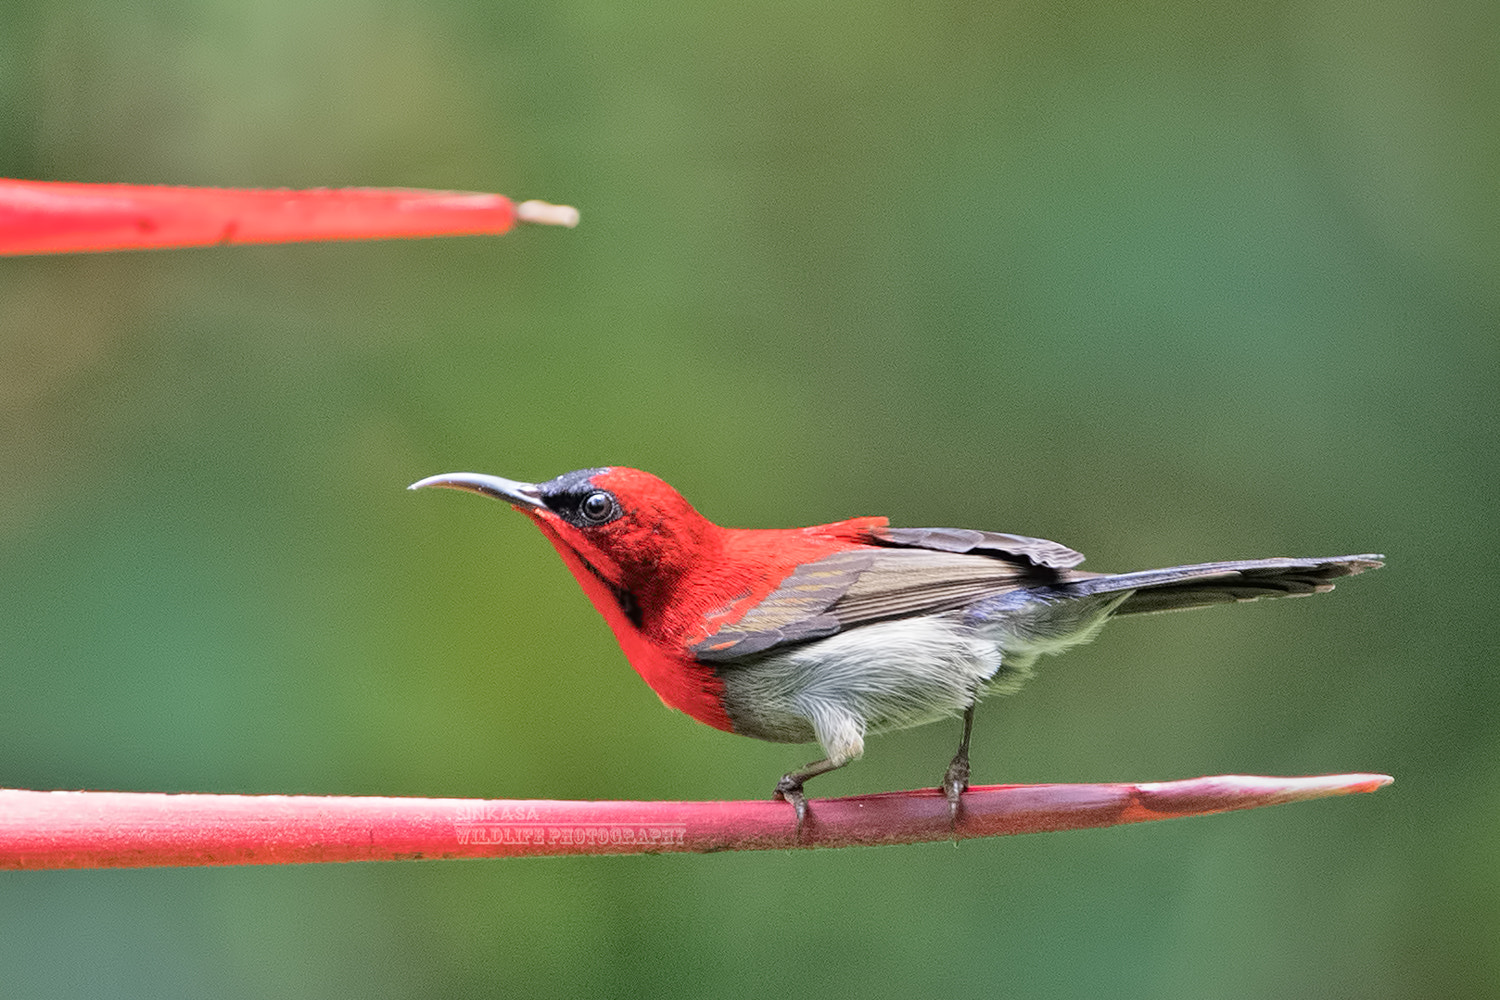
[(836, 631)]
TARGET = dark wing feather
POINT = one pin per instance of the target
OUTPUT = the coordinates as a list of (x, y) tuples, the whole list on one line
[(858, 586), (1037, 551)]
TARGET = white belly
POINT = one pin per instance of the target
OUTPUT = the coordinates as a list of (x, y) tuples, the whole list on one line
[(897, 674)]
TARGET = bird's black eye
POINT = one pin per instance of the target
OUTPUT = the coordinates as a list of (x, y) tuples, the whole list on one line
[(597, 507)]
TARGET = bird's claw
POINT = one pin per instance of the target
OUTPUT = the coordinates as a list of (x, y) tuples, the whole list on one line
[(955, 781), (789, 789)]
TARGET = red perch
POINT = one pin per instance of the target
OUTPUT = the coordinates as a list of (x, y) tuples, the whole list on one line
[(141, 829), (57, 217)]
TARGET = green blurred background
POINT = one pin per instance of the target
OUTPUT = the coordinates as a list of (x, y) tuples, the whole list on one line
[(1166, 282)]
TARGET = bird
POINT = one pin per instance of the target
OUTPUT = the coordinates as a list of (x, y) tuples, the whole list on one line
[(834, 632)]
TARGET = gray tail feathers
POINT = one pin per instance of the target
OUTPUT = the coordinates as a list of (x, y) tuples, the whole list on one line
[(1181, 587)]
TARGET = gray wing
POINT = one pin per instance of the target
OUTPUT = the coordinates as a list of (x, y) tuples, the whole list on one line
[(952, 568), (1037, 551)]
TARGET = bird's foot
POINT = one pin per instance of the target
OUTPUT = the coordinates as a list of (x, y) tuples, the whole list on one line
[(789, 789), (955, 781)]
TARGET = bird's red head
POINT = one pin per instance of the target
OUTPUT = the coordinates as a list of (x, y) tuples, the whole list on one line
[(631, 530), (630, 540)]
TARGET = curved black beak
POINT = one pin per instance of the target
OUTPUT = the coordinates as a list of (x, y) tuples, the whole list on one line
[(512, 492)]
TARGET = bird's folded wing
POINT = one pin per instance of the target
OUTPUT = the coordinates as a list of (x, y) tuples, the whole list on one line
[(864, 585), (1037, 551)]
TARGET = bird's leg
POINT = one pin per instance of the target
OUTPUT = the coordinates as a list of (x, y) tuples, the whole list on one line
[(789, 788), (957, 777)]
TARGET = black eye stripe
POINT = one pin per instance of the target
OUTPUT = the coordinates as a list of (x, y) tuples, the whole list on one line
[(587, 510), (579, 501)]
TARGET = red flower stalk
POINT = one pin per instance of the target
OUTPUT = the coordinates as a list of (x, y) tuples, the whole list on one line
[(143, 829), (57, 217)]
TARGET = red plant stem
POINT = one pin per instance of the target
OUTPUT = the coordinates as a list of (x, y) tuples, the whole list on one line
[(140, 829), (57, 217)]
